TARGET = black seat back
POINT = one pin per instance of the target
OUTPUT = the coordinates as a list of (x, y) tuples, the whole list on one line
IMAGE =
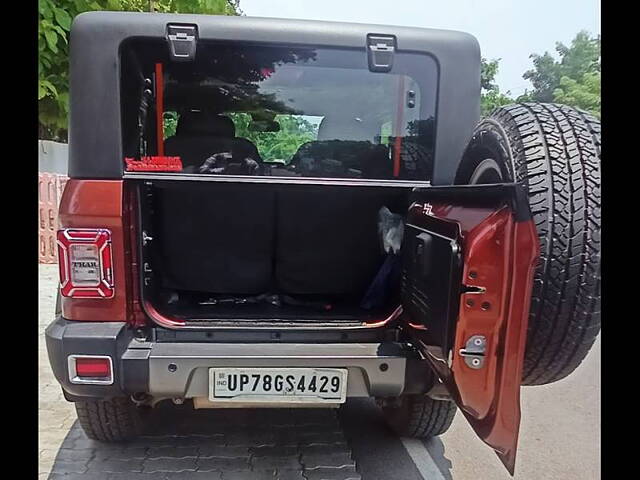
[(217, 239), (327, 239), (200, 135)]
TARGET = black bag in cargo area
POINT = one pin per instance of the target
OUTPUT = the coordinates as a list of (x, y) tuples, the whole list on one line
[(215, 239)]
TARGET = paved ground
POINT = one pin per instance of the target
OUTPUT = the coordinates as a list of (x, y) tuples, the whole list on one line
[(560, 438)]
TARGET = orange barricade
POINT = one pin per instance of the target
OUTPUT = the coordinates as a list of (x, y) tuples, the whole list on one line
[(50, 188)]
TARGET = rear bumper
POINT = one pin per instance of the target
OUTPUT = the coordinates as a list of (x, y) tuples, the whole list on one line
[(180, 369)]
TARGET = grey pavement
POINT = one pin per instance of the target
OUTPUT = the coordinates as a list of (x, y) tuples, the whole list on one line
[(560, 437)]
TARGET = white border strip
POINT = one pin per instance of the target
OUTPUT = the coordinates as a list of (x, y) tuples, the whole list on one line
[(422, 459)]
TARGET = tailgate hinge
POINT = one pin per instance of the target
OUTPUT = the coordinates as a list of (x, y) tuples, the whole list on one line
[(380, 51), (182, 42)]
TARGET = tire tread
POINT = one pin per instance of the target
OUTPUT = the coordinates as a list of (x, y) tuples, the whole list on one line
[(111, 420), (422, 417), (556, 154)]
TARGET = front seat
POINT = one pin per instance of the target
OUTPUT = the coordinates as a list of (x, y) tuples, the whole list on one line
[(200, 135), (344, 148)]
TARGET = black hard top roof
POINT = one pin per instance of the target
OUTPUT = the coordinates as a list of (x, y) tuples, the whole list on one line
[(94, 131)]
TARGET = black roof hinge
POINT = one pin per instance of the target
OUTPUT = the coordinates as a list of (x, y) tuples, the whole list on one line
[(380, 51), (182, 40)]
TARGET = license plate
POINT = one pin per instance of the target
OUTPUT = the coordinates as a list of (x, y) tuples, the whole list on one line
[(306, 385)]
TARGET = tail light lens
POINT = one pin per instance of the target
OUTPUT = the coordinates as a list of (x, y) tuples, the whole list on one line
[(86, 264), (90, 369)]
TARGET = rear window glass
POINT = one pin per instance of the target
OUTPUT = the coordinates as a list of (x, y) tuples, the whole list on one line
[(280, 111)]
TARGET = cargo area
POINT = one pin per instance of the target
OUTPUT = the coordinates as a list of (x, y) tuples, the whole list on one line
[(284, 157), (222, 252)]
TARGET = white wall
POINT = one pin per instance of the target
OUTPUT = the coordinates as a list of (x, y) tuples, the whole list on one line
[(52, 157)]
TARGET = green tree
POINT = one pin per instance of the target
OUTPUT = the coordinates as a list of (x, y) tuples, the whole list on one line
[(280, 145), (572, 78), (491, 97), (583, 93), (55, 18)]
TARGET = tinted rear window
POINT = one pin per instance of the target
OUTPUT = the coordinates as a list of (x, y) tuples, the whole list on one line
[(281, 111)]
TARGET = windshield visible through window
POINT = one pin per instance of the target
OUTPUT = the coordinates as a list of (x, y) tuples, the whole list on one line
[(279, 146)]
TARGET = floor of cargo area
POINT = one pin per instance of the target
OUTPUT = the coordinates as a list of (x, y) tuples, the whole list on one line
[(270, 308)]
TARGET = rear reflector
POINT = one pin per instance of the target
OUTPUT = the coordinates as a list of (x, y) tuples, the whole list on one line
[(85, 261), (90, 369)]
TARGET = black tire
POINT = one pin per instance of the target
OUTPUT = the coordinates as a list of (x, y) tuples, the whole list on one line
[(419, 416), (553, 150), (113, 420)]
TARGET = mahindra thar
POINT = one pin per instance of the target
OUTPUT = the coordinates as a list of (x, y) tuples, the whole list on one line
[(284, 213)]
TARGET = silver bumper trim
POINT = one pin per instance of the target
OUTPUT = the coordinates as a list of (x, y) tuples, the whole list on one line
[(181, 369)]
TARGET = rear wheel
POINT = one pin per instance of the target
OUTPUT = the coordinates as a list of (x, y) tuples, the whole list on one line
[(554, 151), (419, 416), (111, 420)]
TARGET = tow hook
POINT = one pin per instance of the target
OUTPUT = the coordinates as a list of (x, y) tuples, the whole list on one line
[(140, 335)]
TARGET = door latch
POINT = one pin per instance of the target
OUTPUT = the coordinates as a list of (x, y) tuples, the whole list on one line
[(474, 351)]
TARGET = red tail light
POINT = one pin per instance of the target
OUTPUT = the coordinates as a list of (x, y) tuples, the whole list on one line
[(86, 264), (93, 367), (90, 369)]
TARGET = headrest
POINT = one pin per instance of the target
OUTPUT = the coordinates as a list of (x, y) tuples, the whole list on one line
[(345, 128), (204, 124), (423, 128)]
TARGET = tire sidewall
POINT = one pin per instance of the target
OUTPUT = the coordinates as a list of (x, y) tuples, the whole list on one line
[(489, 142)]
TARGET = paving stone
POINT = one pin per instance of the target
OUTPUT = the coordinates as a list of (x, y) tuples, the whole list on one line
[(113, 465), (288, 462), (154, 465), (308, 437), (182, 441), (172, 452), (195, 429), (346, 473), (69, 455), (122, 453), (134, 476), (250, 439), (332, 438), (194, 476), (68, 422), (324, 448), (290, 475), (279, 417), (78, 476), (278, 450), (263, 475), (223, 451), (69, 467), (76, 432), (319, 460), (222, 464), (82, 443), (318, 417)]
